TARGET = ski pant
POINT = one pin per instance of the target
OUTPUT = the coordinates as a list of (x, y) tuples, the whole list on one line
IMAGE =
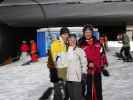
[(98, 87), (127, 54), (121, 52), (53, 75), (56, 76), (74, 90), (59, 91)]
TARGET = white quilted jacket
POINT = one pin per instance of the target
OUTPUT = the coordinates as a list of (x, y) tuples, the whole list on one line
[(76, 64)]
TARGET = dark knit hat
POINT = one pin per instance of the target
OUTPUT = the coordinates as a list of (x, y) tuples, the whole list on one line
[(64, 30), (87, 28)]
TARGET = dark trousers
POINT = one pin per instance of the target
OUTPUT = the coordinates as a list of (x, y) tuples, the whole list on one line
[(127, 55), (98, 86), (59, 91), (53, 75), (74, 90), (121, 52), (60, 88)]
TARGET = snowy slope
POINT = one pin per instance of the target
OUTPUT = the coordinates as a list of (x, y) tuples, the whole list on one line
[(30, 82), (23, 82), (119, 86), (118, 44)]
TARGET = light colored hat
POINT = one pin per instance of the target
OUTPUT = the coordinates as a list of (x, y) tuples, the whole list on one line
[(23, 41)]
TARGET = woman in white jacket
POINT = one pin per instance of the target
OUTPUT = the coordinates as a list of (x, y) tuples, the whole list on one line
[(76, 66)]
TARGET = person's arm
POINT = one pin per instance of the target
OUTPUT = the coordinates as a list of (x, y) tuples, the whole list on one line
[(83, 61)]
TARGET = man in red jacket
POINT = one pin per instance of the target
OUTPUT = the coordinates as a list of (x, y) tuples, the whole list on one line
[(92, 48)]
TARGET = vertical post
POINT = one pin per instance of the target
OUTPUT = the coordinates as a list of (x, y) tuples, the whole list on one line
[(41, 43)]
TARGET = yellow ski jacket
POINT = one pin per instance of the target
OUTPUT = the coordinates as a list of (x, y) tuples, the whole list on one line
[(57, 47)]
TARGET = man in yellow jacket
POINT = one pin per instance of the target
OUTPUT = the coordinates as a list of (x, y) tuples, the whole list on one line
[(58, 50)]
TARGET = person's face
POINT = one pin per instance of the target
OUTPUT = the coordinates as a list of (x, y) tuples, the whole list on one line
[(72, 41), (88, 34), (65, 37), (102, 40)]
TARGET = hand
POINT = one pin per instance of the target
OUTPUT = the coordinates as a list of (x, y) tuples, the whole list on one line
[(91, 65), (105, 72), (84, 77)]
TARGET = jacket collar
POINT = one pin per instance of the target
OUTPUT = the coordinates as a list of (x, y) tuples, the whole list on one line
[(72, 48), (60, 38)]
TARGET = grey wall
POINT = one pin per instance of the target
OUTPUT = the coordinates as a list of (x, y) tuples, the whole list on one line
[(6, 41)]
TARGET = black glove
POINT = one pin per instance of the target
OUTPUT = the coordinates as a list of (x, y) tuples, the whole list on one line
[(105, 72), (84, 84), (84, 77)]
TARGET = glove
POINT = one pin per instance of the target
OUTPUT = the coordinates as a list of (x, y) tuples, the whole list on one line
[(84, 77), (84, 84), (105, 72)]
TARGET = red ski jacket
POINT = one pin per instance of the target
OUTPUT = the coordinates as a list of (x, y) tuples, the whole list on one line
[(24, 48), (93, 54)]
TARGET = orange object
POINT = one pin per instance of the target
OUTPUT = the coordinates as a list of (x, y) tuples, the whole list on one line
[(33, 47)]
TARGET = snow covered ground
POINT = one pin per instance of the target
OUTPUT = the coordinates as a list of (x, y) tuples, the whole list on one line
[(30, 82), (118, 44), (119, 86), (23, 82)]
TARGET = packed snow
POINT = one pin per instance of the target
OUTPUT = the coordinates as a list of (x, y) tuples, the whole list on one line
[(31, 81), (119, 44), (119, 86), (24, 82)]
